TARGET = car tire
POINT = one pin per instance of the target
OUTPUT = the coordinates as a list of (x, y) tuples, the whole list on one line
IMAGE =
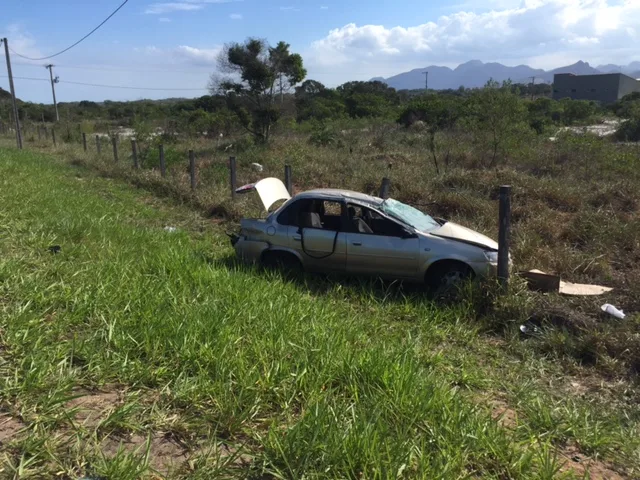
[(445, 278), (281, 261)]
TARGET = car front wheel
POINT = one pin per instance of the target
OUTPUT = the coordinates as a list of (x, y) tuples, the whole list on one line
[(447, 276)]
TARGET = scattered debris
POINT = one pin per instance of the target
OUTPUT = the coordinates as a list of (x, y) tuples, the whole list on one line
[(257, 167), (529, 329), (55, 249), (170, 229), (545, 282), (613, 311)]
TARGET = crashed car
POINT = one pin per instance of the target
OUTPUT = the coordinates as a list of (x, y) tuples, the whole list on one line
[(330, 230)]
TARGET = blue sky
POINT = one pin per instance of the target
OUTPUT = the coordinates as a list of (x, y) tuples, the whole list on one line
[(173, 44)]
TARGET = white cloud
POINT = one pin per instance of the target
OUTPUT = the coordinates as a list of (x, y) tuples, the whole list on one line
[(21, 41), (164, 20), (235, 16), (197, 56), (289, 9), (184, 55), (181, 6), (324, 7), (591, 30), (160, 8)]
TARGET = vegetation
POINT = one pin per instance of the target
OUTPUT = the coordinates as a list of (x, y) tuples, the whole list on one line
[(135, 350), (251, 90), (235, 372)]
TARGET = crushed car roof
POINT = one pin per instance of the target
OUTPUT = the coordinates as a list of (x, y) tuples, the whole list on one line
[(339, 193)]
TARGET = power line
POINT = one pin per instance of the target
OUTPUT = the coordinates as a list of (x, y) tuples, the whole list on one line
[(112, 86), (82, 39), (26, 78), (112, 68), (132, 88)]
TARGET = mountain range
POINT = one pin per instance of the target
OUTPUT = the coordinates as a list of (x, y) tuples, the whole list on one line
[(476, 74)]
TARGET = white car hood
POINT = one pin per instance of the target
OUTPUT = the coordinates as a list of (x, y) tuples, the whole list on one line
[(269, 189), (458, 232)]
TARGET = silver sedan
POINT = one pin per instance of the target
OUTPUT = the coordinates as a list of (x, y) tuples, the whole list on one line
[(328, 230)]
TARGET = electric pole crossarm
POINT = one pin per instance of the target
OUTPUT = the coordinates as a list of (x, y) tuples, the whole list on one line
[(13, 94)]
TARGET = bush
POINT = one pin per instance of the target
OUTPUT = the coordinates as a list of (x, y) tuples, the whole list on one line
[(629, 130), (323, 136)]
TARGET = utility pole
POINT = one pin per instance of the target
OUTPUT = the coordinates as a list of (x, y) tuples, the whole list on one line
[(53, 89), (533, 84), (426, 81), (13, 95)]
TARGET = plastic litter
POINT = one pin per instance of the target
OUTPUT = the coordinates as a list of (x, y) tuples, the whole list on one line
[(529, 329), (257, 167), (55, 249), (613, 311), (170, 229)]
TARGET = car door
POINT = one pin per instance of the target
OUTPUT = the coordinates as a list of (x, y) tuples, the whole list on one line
[(385, 251), (321, 247)]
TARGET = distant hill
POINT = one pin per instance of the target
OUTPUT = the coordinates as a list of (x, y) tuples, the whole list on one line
[(4, 95), (475, 73)]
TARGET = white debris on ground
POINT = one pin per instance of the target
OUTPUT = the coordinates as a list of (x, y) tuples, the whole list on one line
[(257, 167), (604, 129)]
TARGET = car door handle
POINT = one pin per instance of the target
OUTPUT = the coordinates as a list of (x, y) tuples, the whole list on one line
[(297, 238), (357, 244)]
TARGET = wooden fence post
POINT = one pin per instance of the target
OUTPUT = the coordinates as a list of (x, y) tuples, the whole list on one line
[(114, 142), (98, 144), (53, 136), (504, 235), (232, 176), (46, 133), (192, 169), (84, 141), (134, 154), (163, 167), (287, 179), (384, 188)]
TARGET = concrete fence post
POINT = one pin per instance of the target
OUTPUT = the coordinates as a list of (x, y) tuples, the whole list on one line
[(504, 235)]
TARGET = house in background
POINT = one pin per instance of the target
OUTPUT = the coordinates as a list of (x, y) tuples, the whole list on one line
[(603, 88)]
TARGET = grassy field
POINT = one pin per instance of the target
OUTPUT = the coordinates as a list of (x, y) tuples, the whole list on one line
[(137, 352)]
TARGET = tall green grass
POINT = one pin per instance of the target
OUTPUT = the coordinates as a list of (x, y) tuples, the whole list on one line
[(304, 377)]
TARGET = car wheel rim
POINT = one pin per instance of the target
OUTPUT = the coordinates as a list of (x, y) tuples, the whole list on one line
[(451, 279)]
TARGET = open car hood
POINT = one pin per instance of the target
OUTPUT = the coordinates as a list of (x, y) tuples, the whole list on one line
[(454, 231), (270, 190)]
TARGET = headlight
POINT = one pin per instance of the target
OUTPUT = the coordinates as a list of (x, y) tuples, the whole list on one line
[(492, 257)]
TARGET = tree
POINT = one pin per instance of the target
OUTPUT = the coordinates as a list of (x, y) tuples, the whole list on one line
[(497, 117), (315, 101), (368, 99), (439, 113), (250, 89), (577, 110)]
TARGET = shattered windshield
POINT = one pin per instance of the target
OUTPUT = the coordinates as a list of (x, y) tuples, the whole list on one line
[(409, 215)]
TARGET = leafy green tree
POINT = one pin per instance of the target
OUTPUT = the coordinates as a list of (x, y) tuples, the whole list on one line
[(627, 105), (314, 101), (544, 112), (438, 112), (368, 99), (577, 110), (497, 118), (250, 89)]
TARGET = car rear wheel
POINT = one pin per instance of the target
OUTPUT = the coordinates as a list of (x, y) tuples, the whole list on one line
[(282, 261)]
